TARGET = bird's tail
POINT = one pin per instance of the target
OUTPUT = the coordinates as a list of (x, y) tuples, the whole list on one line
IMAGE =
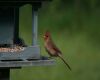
[(60, 56)]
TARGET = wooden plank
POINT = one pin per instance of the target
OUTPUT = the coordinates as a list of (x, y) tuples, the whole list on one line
[(26, 63)]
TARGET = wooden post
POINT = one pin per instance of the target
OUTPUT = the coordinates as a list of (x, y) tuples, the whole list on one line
[(4, 73)]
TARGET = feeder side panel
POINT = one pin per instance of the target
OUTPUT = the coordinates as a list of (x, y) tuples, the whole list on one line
[(6, 25)]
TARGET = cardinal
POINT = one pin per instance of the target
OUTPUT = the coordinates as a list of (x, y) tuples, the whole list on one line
[(52, 49)]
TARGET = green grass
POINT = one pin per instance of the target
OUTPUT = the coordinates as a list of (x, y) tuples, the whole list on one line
[(78, 51), (80, 45)]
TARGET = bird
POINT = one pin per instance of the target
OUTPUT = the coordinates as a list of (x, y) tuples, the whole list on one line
[(52, 49)]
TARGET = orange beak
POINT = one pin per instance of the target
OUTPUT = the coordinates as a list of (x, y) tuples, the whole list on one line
[(44, 37)]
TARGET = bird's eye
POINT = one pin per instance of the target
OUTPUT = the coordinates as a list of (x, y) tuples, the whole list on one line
[(46, 36)]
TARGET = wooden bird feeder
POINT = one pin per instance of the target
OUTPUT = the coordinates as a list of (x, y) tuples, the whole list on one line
[(13, 51)]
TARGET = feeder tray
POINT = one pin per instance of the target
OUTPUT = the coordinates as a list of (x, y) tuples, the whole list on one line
[(18, 52)]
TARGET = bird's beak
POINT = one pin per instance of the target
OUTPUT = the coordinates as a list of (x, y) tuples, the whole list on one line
[(43, 36)]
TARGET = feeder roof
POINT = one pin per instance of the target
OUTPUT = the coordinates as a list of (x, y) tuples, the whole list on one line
[(19, 2), (23, 0)]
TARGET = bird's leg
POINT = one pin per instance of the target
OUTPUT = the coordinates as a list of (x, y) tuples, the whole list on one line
[(50, 57)]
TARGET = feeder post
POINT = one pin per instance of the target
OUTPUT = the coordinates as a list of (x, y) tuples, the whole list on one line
[(4, 73), (16, 24), (34, 25)]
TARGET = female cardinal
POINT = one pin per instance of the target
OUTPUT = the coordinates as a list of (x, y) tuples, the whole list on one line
[(51, 48)]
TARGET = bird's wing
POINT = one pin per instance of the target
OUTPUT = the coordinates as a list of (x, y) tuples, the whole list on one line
[(47, 50), (56, 49)]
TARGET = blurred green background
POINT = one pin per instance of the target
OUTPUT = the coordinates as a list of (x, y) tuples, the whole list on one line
[(75, 29)]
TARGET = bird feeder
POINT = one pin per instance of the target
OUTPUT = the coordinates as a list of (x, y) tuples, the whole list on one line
[(13, 51)]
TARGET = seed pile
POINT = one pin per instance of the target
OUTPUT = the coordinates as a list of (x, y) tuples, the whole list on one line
[(12, 49)]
